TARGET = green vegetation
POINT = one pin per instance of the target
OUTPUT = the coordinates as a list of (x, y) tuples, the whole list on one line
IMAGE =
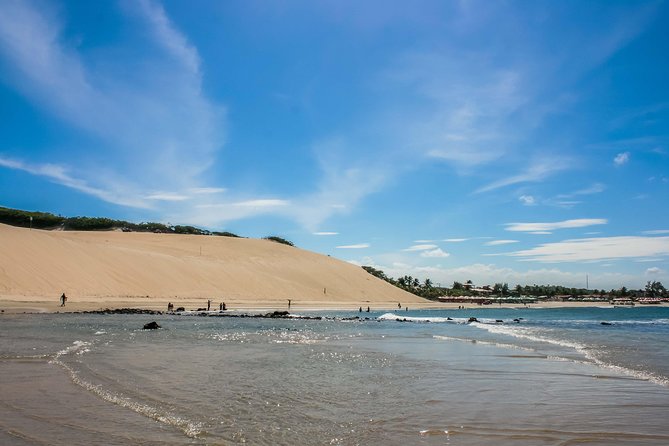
[(429, 291), (276, 239), (40, 220), (44, 220)]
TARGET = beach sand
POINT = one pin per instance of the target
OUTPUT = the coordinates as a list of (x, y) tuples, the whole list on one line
[(113, 269)]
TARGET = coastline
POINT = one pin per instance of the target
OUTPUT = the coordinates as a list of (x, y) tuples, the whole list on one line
[(12, 304)]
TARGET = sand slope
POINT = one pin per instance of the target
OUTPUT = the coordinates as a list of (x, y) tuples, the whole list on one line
[(103, 267)]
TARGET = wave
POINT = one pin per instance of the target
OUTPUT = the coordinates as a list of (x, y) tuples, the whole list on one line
[(189, 428), (436, 319), (480, 342), (583, 349)]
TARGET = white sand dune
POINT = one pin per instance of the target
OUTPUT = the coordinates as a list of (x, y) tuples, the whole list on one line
[(144, 269)]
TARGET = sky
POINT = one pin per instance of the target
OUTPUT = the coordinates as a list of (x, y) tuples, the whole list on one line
[(493, 141)]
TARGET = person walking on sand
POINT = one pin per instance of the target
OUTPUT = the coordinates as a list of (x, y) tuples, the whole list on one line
[(208, 304), (63, 299)]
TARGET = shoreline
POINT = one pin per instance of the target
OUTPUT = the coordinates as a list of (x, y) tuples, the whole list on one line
[(40, 304)]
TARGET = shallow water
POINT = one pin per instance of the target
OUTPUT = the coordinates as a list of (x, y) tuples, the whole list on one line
[(557, 377)]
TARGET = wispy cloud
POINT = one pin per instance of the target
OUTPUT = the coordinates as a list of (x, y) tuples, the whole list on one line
[(656, 232), (166, 196), (60, 174), (150, 133), (206, 190), (423, 247), (262, 203), (595, 249), (534, 173), (566, 224), (455, 240), (356, 246), (500, 242), (325, 233)]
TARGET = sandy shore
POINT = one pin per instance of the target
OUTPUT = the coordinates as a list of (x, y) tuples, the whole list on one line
[(113, 269), (37, 304)]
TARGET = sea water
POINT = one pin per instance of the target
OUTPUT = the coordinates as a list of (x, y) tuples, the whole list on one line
[(538, 377)]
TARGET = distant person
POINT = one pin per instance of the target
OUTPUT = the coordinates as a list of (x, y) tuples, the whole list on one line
[(208, 304), (406, 308), (63, 298), (170, 306), (360, 310), (368, 309), (399, 305), (288, 303)]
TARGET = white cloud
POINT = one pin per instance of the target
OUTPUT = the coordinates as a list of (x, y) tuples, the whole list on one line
[(167, 196), (262, 203), (621, 158), (654, 271), (500, 242), (455, 240), (536, 172), (594, 189), (656, 232), (566, 224), (424, 247), (206, 190), (423, 241), (59, 174), (434, 253), (325, 233), (149, 133), (527, 200), (356, 246), (594, 249), (540, 232), (342, 185)]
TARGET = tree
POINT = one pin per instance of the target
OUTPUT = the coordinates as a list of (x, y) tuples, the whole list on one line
[(428, 283), (655, 289)]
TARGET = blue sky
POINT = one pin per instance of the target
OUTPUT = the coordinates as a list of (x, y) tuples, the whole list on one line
[(520, 142)]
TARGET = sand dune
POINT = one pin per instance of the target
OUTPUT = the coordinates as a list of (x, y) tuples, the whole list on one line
[(101, 269)]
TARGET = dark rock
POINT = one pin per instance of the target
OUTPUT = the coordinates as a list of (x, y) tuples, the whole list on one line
[(499, 320), (449, 318), (472, 319), (151, 326), (122, 311), (277, 314), (606, 323), (517, 320), (181, 309)]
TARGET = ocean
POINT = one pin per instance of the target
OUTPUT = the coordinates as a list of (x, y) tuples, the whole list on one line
[(429, 377)]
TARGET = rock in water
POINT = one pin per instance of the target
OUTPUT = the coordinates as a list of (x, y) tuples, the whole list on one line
[(151, 326)]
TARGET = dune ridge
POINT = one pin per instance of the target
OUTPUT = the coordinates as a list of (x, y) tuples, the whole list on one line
[(145, 269)]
